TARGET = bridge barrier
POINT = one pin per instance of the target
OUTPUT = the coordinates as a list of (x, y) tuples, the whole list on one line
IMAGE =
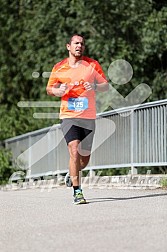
[(134, 136)]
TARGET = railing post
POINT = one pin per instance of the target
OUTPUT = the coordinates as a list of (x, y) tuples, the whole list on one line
[(29, 158), (133, 169)]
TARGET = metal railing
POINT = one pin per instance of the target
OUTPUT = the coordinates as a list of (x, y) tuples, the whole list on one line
[(134, 136)]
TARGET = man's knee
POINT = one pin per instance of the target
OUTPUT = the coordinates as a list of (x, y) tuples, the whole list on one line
[(73, 149), (84, 160)]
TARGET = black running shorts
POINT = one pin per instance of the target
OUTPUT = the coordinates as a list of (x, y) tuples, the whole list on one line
[(79, 129)]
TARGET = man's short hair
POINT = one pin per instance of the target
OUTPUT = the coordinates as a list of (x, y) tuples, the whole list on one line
[(76, 34)]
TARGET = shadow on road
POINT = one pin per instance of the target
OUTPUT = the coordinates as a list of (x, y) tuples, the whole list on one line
[(94, 200)]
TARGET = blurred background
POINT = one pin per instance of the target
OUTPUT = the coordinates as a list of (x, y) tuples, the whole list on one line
[(33, 38)]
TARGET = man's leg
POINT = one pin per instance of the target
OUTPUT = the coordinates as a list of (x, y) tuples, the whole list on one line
[(79, 155), (84, 160), (74, 162)]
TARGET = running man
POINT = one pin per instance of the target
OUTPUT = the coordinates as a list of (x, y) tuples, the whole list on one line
[(75, 79)]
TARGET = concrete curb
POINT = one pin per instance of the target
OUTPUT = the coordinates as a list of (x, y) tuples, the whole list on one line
[(125, 181), (98, 182)]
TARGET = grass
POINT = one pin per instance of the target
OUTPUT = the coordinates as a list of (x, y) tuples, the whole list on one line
[(163, 182)]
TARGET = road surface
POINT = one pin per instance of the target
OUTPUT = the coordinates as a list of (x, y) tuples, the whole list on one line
[(115, 220)]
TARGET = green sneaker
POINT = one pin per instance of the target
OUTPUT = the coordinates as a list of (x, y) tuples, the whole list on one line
[(79, 198)]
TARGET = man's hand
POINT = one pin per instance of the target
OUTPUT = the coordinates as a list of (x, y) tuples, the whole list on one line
[(88, 86), (101, 87), (59, 91)]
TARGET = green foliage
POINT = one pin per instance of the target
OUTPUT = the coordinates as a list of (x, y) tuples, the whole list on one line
[(113, 172), (108, 172), (163, 182), (33, 38), (6, 168), (20, 120), (125, 171)]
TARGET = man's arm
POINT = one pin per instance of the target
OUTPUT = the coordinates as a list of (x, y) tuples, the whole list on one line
[(101, 87), (56, 91), (101, 84), (54, 86), (53, 83)]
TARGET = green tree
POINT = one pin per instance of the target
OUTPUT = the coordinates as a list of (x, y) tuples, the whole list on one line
[(6, 167), (33, 38)]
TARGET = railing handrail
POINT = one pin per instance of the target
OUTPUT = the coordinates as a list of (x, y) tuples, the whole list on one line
[(103, 114)]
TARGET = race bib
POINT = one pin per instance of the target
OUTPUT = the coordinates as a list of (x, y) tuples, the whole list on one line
[(78, 104)]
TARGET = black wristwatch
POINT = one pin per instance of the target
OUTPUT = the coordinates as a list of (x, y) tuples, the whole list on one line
[(94, 86)]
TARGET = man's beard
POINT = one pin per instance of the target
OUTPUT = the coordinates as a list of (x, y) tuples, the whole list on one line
[(77, 54)]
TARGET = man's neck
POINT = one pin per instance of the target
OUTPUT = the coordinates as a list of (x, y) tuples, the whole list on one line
[(73, 61)]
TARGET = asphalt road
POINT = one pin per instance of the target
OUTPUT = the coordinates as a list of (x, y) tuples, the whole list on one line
[(114, 220)]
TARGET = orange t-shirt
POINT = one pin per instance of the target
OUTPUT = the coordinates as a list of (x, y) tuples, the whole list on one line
[(77, 102)]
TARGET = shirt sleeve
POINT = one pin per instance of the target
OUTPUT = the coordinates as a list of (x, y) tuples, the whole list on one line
[(54, 79), (99, 74)]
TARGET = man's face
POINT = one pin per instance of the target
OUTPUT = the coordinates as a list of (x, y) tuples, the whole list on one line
[(77, 47)]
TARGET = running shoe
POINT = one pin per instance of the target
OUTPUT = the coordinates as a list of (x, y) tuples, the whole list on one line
[(68, 180), (79, 198)]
